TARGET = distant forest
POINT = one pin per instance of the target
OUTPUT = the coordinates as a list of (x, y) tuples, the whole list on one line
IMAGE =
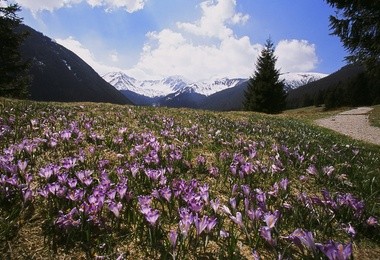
[(351, 86)]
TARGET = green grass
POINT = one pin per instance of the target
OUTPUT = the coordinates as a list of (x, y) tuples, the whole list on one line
[(374, 116), (122, 145), (312, 113)]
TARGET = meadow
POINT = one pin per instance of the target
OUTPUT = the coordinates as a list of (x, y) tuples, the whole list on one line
[(103, 181)]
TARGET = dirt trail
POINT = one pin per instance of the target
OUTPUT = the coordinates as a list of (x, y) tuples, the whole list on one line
[(353, 123)]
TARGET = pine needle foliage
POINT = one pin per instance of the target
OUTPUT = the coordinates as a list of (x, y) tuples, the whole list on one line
[(265, 92), (14, 79)]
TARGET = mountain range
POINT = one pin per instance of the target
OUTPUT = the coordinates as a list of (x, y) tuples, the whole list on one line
[(60, 75), (176, 91)]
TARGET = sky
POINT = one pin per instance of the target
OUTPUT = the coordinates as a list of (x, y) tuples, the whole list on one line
[(196, 39)]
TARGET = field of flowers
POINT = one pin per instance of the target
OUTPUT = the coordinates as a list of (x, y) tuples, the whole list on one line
[(102, 181)]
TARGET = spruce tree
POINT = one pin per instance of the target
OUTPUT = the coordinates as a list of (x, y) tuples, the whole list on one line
[(14, 79), (265, 92), (357, 23)]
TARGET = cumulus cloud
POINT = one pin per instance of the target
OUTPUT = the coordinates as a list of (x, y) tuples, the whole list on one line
[(51, 5), (214, 20), (219, 53), (172, 54), (85, 54), (296, 56)]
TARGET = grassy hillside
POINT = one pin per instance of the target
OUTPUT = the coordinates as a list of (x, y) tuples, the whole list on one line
[(99, 180), (374, 116)]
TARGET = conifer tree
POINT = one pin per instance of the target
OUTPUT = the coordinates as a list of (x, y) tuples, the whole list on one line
[(357, 23), (265, 92), (13, 70)]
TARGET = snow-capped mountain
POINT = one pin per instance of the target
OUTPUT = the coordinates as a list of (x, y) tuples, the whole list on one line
[(210, 87), (178, 84), (177, 91), (295, 80), (169, 85), (148, 88)]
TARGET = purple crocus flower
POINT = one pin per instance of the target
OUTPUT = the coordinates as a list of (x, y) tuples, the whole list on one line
[(246, 168), (46, 172), (85, 177), (44, 192), (303, 238), (270, 220), (27, 194), (196, 204), (312, 170), (215, 204), (255, 255), (226, 210), (233, 168), (204, 192), (115, 208), (111, 194), (166, 193), (22, 165), (372, 221), (336, 251), (69, 220), (186, 220), (349, 230), (66, 134), (173, 235), (69, 163), (53, 188), (238, 219), (122, 189), (152, 216), (75, 195), (284, 184), (72, 182), (233, 203), (265, 232), (223, 233), (328, 170), (62, 178), (246, 190), (214, 171), (201, 160), (200, 224), (154, 174), (211, 223), (144, 200)]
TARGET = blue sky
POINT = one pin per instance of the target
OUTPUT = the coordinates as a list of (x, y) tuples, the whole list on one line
[(197, 39)]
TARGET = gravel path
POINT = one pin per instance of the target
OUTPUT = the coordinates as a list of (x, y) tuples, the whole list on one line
[(353, 123)]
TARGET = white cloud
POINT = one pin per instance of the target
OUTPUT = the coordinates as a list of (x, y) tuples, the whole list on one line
[(174, 55), (129, 5), (86, 55), (296, 56), (215, 16), (219, 53), (50, 5)]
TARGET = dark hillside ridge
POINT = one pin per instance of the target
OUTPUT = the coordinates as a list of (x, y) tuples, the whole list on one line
[(230, 99), (60, 75), (347, 73)]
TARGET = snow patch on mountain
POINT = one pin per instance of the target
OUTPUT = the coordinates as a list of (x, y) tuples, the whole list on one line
[(294, 80)]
